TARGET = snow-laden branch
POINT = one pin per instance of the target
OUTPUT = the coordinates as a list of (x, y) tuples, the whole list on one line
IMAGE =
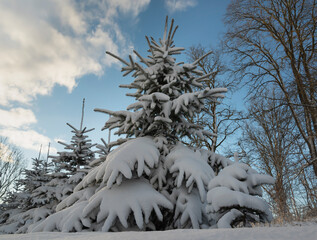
[(135, 156)]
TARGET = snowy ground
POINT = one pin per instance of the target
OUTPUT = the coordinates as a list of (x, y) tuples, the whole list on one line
[(263, 233)]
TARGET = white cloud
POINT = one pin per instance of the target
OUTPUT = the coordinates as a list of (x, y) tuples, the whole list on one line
[(34, 56), (28, 139), (16, 117), (15, 125), (179, 5), (44, 43)]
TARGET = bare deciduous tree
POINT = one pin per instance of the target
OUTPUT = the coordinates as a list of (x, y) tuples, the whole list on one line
[(268, 141), (11, 165), (273, 144), (275, 42), (221, 119)]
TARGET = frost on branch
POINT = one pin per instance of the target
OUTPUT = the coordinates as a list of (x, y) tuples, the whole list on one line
[(234, 196)]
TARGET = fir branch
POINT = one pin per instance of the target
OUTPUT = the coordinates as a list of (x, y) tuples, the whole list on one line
[(118, 58)]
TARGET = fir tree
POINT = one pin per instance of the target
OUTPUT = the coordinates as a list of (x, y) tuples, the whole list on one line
[(80, 153), (234, 197), (22, 207), (151, 180), (10, 205), (42, 189), (71, 165)]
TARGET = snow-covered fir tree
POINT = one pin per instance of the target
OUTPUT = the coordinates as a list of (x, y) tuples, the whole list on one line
[(74, 163), (11, 202), (70, 165), (79, 154), (151, 181), (234, 197), (44, 187), (21, 207)]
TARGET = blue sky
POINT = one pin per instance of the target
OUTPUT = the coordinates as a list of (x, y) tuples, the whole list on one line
[(52, 55)]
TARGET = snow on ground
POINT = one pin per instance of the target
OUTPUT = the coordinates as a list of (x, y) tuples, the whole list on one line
[(262, 233)]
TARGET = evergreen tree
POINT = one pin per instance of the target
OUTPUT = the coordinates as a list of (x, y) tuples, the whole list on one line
[(70, 166), (151, 180), (80, 153), (10, 205), (234, 197), (43, 189), (22, 208)]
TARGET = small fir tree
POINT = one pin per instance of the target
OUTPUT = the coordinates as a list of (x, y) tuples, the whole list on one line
[(22, 207), (71, 165), (11, 202), (74, 164), (234, 197)]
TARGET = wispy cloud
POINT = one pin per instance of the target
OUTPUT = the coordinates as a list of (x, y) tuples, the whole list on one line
[(28, 139), (15, 125), (16, 117), (179, 5)]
